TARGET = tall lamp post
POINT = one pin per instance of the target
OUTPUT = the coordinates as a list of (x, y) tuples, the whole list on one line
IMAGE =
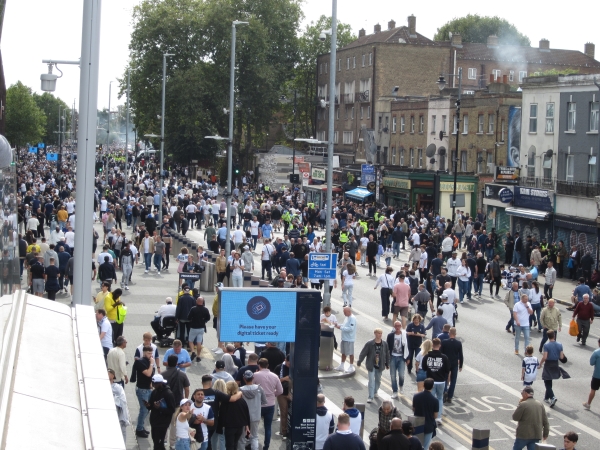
[(127, 130), (162, 141), (442, 84), (108, 120), (230, 137), (598, 231)]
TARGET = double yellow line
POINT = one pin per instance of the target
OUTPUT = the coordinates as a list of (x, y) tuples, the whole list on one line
[(449, 424)]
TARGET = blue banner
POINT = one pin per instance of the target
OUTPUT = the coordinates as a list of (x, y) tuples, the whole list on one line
[(257, 315), (41, 145), (52, 156), (367, 174), (532, 198), (33, 150)]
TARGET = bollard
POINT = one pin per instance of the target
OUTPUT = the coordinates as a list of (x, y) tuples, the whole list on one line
[(480, 439), (209, 277), (326, 348), (247, 279), (419, 425), (544, 447), (361, 409)]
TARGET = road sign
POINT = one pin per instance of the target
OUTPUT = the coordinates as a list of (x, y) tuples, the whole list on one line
[(367, 174), (322, 266), (305, 175)]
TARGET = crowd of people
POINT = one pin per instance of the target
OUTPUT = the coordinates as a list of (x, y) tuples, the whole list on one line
[(448, 262)]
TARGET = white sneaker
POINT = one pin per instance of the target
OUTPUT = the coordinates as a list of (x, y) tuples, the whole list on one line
[(340, 368), (157, 273), (214, 349), (219, 351), (350, 369), (376, 395), (145, 271), (369, 400), (126, 288), (395, 395)]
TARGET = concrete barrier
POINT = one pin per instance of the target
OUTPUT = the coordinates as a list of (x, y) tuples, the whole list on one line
[(263, 283), (419, 425), (480, 439), (247, 279), (255, 281)]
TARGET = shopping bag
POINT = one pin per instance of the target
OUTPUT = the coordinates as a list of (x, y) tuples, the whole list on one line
[(573, 328), (358, 255)]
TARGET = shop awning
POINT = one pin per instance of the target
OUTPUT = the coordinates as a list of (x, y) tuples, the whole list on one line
[(359, 193), (528, 213)]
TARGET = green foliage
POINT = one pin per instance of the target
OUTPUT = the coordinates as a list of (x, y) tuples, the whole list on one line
[(198, 33), (304, 80), (475, 28), (550, 72), (50, 105), (25, 121)]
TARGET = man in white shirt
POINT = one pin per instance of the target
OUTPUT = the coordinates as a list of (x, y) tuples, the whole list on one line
[(238, 236), (415, 238), (452, 265), (72, 220), (267, 251), (104, 253), (363, 249), (447, 308), (324, 424), (447, 244), (70, 239), (521, 312)]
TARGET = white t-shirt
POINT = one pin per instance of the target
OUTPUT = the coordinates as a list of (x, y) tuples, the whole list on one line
[(522, 313), (254, 228), (191, 208), (530, 364), (208, 414), (451, 295), (237, 267), (238, 236), (348, 278), (267, 252), (448, 313), (331, 318)]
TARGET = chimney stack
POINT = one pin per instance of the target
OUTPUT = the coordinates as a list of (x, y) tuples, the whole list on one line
[(377, 28), (391, 24), (456, 40), (505, 79), (361, 33), (544, 44), (590, 50), (492, 41), (412, 26), (492, 78)]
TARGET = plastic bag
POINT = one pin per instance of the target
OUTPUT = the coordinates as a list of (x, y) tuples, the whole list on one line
[(358, 255), (573, 328)]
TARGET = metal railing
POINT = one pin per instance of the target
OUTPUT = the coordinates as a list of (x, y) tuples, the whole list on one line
[(538, 182), (578, 188)]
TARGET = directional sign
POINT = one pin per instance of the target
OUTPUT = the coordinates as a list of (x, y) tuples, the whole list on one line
[(52, 156), (367, 174), (322, 266), (33, 150), (41, 145)]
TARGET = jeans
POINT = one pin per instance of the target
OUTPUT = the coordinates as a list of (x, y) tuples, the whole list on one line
[(547, 292), (518, 329), (427, 437), (438, 392), (397, 365), (459, 237), (363, 255), (549, 392), (148, 260), (267, 413), (237, 281), (374, 381), (537, 311), (462, 289), (520, 444), (396, 247), (385, 301), (545, 337), (516, 259), (157, 261), (470, 286), (453, 377), (182, 444), (347, 294), (142, 395), (266, 265), (217, 441), (489, 253)]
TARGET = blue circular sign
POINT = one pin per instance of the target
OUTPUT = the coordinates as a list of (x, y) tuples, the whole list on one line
[(258, 308), (505, 195)]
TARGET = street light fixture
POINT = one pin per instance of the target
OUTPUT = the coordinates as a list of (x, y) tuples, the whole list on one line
[(162, 142), (442, 84)]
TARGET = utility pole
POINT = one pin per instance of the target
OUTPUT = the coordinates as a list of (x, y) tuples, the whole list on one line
[(127, 132)]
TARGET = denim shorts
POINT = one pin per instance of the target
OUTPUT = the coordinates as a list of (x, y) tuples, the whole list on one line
[(421, 375), (196, 335)]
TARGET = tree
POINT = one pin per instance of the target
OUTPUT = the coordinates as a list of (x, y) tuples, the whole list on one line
[(475, 28), (304, 81), (25, 121), (50, 105)]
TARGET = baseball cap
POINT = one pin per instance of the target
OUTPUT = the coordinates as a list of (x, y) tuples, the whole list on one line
[(528, 389), (443, 296), (520, 265), (246, 247), (184, 401), (220, 364), (219, 285), (158, 378), (248, 375)]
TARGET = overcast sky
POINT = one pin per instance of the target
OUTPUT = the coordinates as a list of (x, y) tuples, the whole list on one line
[(42, 29)]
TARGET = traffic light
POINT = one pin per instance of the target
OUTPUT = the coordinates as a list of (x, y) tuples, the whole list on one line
[(99, 166), (236, 170)]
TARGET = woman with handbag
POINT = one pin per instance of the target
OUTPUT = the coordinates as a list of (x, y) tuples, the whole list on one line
[(387, 284)]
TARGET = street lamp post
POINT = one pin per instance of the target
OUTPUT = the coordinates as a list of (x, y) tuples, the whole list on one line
[(108, 120), (442, 84), (127, 131), (162, 141)]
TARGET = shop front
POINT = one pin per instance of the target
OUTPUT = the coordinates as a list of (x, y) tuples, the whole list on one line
[(466, 195), (532, 213), (496, 198), (317, 194), (397, 192)]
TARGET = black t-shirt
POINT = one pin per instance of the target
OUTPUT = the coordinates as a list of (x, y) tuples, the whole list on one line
[(442, 280), (436, 266), (37, 271), (143, 382), (52, 272), (481, 265), (214, 398), (240, 375), (425, 405)]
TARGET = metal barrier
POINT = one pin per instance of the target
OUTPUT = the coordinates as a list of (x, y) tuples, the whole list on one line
[(326, 348), (480, 439), (247, 279), (418, 424)]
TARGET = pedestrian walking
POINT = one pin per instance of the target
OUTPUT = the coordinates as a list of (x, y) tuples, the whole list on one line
[(532, 421), (553, 352), (324, 423), (595, 385), (387, 285), (348, 329), (551, 319), (452, 348), (437, 366), (426, 405), (161, 406), (343, 438), (376, 355), (521, 312), (584, 313), (271, 385)]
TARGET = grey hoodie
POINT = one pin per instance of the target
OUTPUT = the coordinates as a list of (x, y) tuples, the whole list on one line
[(255, 398)]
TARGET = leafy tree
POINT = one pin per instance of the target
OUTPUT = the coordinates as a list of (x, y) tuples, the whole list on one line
[(50, 105), (25, 121), (475, 28), (304, 81), (550, 72)]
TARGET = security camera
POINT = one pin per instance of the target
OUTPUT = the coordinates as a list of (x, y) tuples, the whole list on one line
[(322, 36), (225, 111)]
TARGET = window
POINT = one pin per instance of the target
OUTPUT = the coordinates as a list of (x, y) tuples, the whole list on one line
[(354, 62), (433, 119), (401, 156), (370, 59), (421, 124), (352, 113), (369, 112), (362, 111), (531, 162), (571, 116), (444, 124), (335, 137), (365, 85), (454, 124), (465, 124), (491, 123), (569, 168), (442, 159), (480, 123), (402, 124), (594, 112), (549, 117), (346, 108), (497, 74), (420, 157), (412, 124), (452, 161), (337, 93), (337, 113), (393, 124), (472, 74), (322, 91), (347, 63), (364, 58), (412, 157), (522, 74), (511, 76), (393, 156), (547, 166), (321, 135), (380, 123), (592, 172), (339, 65), (480, 160), (387, 124), (463, 161), (490, 161), (348, 137), (533, 118)]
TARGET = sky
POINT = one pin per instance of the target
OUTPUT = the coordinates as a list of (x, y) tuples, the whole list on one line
[(53, 31)]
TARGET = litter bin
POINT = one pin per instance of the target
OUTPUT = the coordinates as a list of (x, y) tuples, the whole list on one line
[(326, 348)]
